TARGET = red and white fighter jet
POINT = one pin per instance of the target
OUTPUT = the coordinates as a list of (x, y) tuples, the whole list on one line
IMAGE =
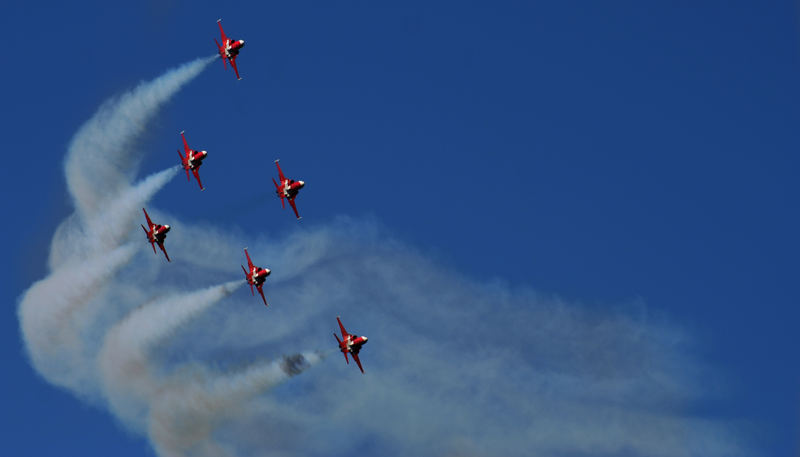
[(156, 234), (350, 343), (288, 189), (229, 49), (192, 160), (255, 276)]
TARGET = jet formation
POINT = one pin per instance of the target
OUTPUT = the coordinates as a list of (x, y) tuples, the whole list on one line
[(287, 190)]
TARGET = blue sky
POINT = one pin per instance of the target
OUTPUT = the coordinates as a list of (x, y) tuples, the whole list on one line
[(622, 157)]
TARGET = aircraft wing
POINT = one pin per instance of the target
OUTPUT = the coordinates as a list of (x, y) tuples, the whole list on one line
[(341, 327), (185, 145), (149, 222), (249, 262), (280, 172), (161, 245), (358, 361), (222, 32), (197, 176), (261, 292), (291, 202), (235, 70)]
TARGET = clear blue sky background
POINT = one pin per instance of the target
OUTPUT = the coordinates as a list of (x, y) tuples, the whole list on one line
[(601, 151)]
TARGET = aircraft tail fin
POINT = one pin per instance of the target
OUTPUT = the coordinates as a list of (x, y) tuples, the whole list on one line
[(185, 164), (221, 54)]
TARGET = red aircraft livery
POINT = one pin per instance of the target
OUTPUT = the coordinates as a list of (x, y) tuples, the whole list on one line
[(192, 160), (350, 343), (156, 234), (288, 189), (229, 49), (255, 276)]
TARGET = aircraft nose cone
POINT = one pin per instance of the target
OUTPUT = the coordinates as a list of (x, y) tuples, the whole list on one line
[(267, 271), (241, 42), (302, 183), (205, 153), (166, 227), (365, 338)]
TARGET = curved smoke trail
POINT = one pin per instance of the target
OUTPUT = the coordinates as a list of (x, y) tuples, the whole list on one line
[(85, 251), (128, 379), (99, 156)]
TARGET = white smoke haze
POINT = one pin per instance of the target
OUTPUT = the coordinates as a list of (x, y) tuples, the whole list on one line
[(184, 417), (55, 309), (454, 365)]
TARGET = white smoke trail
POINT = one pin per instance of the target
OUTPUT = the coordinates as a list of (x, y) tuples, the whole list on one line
[(99, 155), (83, 238), (116, 221), (185, 415), (53, 312), (128, 379)]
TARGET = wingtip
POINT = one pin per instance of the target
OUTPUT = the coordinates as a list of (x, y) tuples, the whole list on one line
[(299, 217), (277, 160), (239, 79), (219, 20), (183, 131)]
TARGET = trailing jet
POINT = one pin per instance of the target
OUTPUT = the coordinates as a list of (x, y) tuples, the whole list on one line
[(192, 160), (350, 344), (288, 189), (255, 276), (229, 49), (156, 234)]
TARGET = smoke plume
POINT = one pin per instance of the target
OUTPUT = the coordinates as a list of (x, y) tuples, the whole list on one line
[(453, 366)]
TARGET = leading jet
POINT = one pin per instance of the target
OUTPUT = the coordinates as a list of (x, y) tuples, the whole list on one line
[(229, 49)]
